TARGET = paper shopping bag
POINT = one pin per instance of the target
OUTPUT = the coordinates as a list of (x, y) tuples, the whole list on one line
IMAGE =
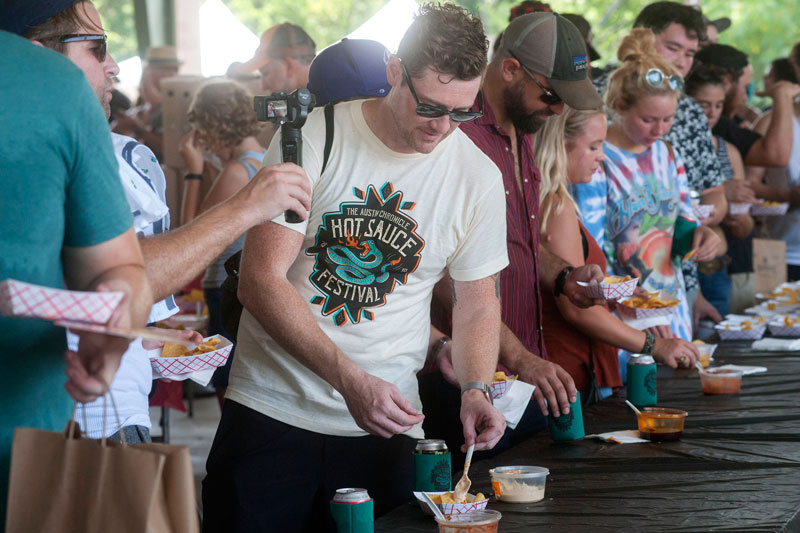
[(77, 484)]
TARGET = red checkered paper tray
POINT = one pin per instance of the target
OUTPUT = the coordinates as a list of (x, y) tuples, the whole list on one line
[(499, 387), (738, 208), (770, 209), (635, 313), (703, 211), (170, 367), (20, 299), (609, 291), (452, 508)]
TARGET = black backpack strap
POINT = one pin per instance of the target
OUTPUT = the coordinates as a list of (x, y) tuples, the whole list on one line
[(328, 135)]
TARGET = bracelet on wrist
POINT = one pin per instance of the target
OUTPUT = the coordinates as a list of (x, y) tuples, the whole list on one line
[(481, 386), (192, 176), (561, 280), (649, 343)]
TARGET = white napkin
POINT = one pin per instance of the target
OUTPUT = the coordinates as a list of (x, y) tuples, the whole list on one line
[(777, 345), (514, 402), (746, 370), (626, 436)]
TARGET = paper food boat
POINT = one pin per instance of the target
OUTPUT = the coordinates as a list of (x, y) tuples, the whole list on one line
[(733, 331), (452, 508), (609, 291), (635, 313), (167, 367), (706, 353), (778, 327), (769, 210), (738, 208), (499, 388), (20, 299), (703, 211)]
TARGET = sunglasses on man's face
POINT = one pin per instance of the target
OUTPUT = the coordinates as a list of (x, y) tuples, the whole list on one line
[(436, 111), (100, 51), (548, 96)]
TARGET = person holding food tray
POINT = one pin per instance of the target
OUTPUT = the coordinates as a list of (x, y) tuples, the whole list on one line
[(649, 222), (569, 148)]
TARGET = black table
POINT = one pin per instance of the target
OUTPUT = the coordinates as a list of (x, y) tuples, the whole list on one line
[(736, 468)]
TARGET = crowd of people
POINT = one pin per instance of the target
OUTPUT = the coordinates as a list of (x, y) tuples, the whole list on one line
[(381, 317)]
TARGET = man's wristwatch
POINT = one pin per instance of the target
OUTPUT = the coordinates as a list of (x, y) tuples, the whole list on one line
[(481, 386), (558, 286)]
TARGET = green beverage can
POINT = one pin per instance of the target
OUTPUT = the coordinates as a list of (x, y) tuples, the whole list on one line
[(642, 388), (352, 511), (432, 471), (568, 426)]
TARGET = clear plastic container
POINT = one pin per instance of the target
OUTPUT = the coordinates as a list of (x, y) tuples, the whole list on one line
[(476, 522), (519, 484), (721, 381), (661, 423)]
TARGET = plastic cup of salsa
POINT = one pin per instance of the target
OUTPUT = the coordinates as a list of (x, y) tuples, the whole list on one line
[(660, 423), (721, 381), (475, 522)]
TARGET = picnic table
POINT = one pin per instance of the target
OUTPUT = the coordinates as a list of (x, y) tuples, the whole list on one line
[(736, 467)]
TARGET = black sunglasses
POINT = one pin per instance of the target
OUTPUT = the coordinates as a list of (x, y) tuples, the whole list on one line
[(436, 111), (548, 96), (101, 51)]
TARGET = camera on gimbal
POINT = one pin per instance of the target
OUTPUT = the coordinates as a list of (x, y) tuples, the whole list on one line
[(290, 111)]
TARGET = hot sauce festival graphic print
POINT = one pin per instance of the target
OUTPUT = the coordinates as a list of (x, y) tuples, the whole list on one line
[(362, 251)]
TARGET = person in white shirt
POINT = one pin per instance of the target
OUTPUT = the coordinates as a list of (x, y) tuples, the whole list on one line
[(323, 392)]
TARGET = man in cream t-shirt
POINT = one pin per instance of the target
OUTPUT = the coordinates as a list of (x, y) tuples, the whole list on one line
[(323, 393)]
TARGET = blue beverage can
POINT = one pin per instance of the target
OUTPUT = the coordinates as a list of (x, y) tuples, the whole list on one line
[(642, 386), (352, 511), (432, 470)]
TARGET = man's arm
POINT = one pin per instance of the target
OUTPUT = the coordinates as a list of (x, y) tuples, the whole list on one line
[(775, 148), (551, 265), (714, 196), (114, 265), (175, 258), (377, 406), (476, 341)]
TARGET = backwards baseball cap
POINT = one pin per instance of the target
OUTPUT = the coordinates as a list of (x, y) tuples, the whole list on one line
[(722, 56), (586, 32), (550, 45), (281, 40), (721, 24), (347, 69), (20, 16)]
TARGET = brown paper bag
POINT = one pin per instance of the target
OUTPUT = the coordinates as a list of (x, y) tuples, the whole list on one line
[(78, 484), (769, 264)]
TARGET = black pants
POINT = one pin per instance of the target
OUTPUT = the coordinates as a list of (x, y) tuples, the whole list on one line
[(441, 404), (264, 475), (793, 272)]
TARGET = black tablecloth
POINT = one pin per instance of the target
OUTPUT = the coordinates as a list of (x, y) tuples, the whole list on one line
[(737, 466)]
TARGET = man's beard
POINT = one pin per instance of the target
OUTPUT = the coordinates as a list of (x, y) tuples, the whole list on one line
[(513, 98)]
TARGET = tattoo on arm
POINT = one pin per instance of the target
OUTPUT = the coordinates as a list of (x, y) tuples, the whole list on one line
[(496, 278), (453, 291)]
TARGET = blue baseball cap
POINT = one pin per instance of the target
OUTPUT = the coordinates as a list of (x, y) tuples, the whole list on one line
[(347, 69), (20, 16)]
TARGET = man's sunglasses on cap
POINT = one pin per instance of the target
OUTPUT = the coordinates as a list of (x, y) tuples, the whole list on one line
[(548, 96), (656, 78), (101, 51), (436, 111)]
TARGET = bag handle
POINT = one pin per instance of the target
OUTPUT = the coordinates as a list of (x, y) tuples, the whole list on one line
[(72, 425)]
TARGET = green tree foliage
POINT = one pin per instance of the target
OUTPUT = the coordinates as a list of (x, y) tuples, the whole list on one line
[(326, 21), (764, 29), (120, 26)]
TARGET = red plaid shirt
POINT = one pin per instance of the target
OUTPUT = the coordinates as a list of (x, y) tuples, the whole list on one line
[(522, 306)]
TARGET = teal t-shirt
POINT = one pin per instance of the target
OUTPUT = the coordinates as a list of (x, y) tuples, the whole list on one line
[(59, 186)]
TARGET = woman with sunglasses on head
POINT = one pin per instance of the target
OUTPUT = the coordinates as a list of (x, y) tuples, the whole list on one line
[(647, 194), (569, 149)]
